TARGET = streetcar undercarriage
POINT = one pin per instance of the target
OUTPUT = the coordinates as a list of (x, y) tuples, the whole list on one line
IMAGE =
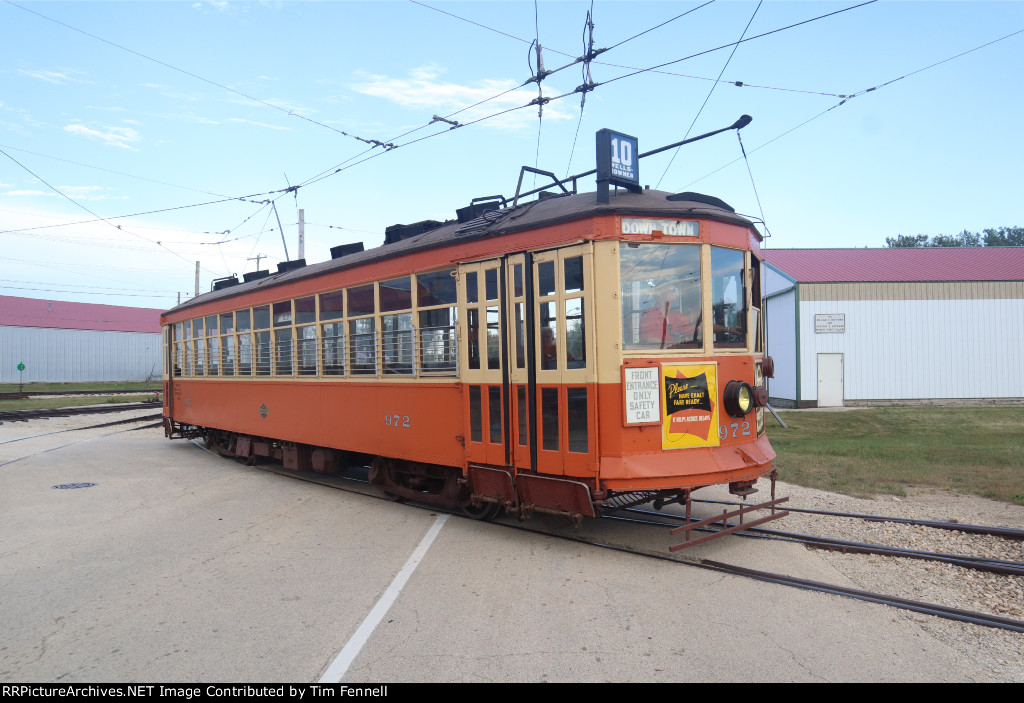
[(482, 492)]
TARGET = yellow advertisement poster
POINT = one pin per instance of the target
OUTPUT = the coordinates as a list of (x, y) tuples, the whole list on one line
[(689, 396)]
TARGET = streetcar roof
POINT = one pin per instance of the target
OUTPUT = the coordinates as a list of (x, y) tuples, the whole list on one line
[(530, 215)]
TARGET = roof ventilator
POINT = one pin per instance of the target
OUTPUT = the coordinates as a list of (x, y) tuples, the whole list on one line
[(700, 198), (396, 233), (286, 266), (481, 223), (226, 282), (346, 249), (478, 206)]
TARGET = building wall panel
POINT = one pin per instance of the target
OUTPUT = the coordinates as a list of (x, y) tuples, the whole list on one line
[(61, 355), (953, 290), (780, 325), (918, 349)]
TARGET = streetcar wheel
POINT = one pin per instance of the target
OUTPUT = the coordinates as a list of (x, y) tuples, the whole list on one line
[(484, 511)]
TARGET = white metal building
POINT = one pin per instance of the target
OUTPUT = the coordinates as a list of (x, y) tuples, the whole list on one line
[(58, 341), (865, 326)]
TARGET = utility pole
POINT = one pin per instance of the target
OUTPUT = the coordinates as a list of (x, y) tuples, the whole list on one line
[(197, 279), (302, 233), (257, 260)]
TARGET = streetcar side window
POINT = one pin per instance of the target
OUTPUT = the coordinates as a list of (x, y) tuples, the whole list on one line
[(227, 344), (179, 357), (362, 338), (755, 303), (397, 329), (436, 298), (405, 325), (243, 321), (199, 347), (332, 334), (261, 326), (728, 298)]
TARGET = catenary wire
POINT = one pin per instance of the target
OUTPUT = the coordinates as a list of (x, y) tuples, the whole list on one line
[(708, 97), (290, 113), (852, 96)]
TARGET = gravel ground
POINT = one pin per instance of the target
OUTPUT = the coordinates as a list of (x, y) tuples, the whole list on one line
[(1001, 651)]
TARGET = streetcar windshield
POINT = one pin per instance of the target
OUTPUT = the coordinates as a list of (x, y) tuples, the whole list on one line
[(661, 306)]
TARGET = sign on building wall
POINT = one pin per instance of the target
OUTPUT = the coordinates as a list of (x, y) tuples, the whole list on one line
[(830, 323)]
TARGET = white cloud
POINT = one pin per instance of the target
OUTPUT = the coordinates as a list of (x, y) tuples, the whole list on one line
[(58, 77), (121, 137), (423, 90), (28, 193), (87, 193)]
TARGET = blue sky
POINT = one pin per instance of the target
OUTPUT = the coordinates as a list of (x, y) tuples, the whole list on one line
[(140, 137)]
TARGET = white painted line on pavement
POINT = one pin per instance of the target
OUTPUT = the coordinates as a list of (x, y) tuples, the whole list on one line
[(355, 644)]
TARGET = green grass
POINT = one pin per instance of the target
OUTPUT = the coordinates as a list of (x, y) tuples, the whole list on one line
[(887, 450), (52, 403), (93, 386), (146, 393)]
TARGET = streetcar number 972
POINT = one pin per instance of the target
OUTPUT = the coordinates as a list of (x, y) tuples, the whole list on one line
[(734, 430), (396, 420)]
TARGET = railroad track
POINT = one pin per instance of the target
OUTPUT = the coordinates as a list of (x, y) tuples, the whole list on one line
[(22, 415), (1007, 532), (363, 487), (1010, 568), (139, 418)]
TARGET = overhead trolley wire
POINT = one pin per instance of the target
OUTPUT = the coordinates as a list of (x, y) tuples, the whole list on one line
[(291, 113), (119, 173), (741, 41), (708, 97), (588, 79), (739, 84), (83, 207), (241, 198), (351, 162), (658, 26), (857, 94)]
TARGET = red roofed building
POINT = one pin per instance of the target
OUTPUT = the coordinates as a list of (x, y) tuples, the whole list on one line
[(58, 341), (875, 326)]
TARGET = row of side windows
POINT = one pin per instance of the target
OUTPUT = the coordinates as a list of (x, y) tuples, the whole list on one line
[(404, 325)]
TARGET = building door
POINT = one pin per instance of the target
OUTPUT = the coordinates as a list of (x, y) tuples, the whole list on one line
[(830, 380)]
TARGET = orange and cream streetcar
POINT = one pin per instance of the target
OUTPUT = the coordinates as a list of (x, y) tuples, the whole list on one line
[(562, 355)]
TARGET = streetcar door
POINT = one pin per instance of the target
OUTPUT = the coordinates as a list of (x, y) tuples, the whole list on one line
[(560, 390), (483, 352)]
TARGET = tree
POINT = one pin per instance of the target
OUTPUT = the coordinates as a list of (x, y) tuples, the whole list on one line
[(1002, 237), (1005, 237)]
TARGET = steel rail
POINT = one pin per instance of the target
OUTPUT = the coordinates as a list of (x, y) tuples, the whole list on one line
[(126, 421), (905, 603), (21, 415), (997, 566), (1007, 532), (945, 612)]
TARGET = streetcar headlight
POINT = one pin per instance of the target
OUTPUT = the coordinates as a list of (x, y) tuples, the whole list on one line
[(738, 398)]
